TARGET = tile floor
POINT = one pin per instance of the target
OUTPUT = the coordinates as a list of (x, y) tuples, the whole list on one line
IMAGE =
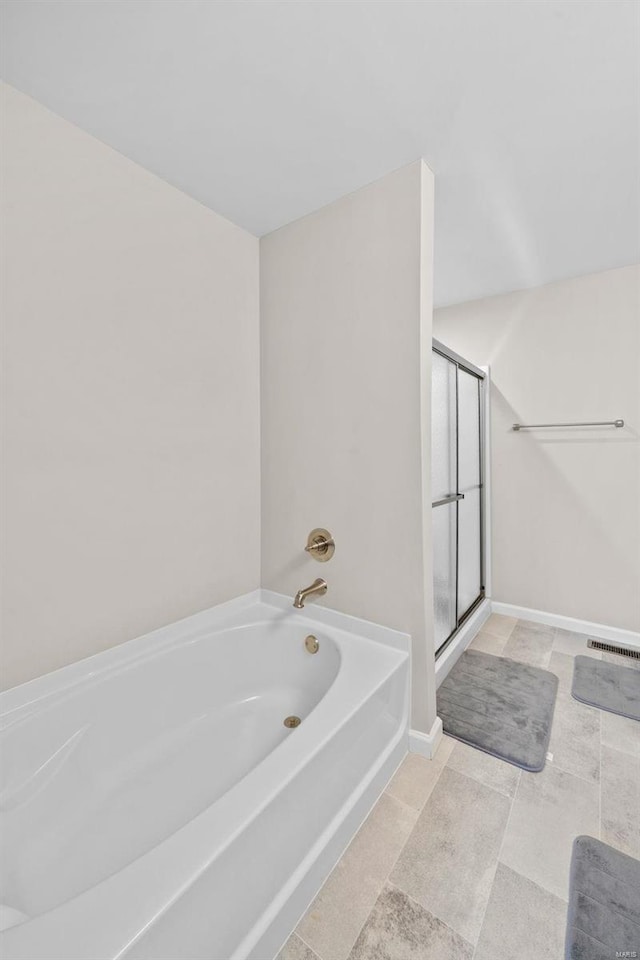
[(466, 857)]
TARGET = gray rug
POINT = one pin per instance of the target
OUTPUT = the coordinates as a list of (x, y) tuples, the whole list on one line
[(500, 706), (604, 903), (609, 686)]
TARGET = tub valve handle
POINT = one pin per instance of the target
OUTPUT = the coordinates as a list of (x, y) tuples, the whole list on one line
[(320, 545)]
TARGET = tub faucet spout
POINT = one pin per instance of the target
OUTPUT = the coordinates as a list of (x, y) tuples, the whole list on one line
[(317, 588)]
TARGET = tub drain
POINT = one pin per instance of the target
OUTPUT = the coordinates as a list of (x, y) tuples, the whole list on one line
[(292, 721)]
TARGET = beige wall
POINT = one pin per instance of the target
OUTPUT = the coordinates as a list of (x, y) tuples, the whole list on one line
[(566, 504), (345, 305), (131, 398)]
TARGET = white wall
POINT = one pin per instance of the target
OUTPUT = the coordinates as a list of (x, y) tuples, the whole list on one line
[(131, 398), (566, 503), (345, 313)]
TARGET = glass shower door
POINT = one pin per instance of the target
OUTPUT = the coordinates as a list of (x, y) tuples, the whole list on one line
[(444, 471), (470, 486), (456, 483)]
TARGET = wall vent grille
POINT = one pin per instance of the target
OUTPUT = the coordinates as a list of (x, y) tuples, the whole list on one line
[(614, 648)]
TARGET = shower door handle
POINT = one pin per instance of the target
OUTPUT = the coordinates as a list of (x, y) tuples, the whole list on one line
[(450, 499)]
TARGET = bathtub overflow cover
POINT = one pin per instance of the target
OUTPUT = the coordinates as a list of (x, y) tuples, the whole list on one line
[(311, 644), (292, 721)]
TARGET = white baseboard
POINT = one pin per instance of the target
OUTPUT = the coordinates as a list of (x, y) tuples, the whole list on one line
[(426, 744), (598, 630)]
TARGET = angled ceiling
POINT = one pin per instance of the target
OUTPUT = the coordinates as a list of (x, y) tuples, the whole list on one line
[(526, 111)]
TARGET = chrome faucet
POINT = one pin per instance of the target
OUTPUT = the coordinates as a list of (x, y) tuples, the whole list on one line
[(318, 587)]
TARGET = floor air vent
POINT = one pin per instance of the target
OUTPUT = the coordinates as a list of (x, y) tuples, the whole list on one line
[(614, 648)]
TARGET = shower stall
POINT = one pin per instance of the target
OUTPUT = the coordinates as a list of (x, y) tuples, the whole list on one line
[(458, 491)]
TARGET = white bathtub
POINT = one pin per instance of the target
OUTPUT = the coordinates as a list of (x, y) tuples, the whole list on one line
[(155, 806)]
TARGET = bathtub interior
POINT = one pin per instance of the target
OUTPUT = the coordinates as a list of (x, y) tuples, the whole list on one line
[(96, 776), (272, 854)]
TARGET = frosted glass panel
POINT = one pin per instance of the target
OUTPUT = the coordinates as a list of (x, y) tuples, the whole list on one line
[(469, 570), (456, 470), (468, 431), (468, 550), (443, 427), (444, 571)]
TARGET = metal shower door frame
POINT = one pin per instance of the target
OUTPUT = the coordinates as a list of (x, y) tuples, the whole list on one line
[(462, 364)]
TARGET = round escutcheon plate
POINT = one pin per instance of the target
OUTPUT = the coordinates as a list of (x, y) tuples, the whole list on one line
[(320, 544)]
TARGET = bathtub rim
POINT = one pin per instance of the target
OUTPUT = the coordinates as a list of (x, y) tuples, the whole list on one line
[(82, 909), (25, 695)]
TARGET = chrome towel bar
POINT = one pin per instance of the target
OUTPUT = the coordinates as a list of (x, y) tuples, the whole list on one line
[(595, 423)]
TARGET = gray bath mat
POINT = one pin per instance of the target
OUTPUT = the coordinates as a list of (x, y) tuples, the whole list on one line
[(604, 903), (609, 686), (499, 706)]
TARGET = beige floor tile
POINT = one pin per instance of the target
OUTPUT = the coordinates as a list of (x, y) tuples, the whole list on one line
[(415, 779), (444, 748), (542, 628), (621, 801), (295, 949), (335, 918), (575, 733), (573, 644), (562, 665), (488, 643), (448, 862), (620, 733), (499, 625), (549, 810), (398, 928), (530, 646), (484, 768), (575, 739), (523, 921)]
